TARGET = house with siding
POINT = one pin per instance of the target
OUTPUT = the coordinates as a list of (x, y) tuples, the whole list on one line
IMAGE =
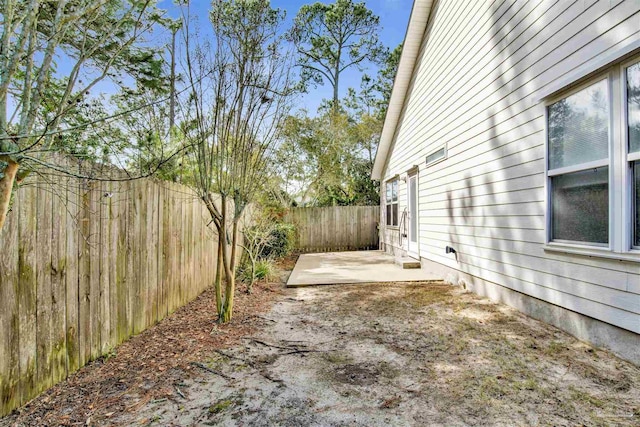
[(510, 158)]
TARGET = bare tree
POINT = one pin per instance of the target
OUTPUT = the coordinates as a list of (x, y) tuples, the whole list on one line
[(240, 92)]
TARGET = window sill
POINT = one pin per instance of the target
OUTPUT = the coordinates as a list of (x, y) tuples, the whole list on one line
[(631, 256), (392, 227)]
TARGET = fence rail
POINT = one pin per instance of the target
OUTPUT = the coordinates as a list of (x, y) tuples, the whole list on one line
[(337, 228), (85, 265)]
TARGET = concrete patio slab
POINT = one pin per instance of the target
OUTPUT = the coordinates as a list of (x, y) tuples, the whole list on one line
[(333, 268)]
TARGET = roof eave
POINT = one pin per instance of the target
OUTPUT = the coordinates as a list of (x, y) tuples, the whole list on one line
[(412, 42)]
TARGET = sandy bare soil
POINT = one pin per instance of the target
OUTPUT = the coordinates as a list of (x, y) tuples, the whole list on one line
[(400, 354)]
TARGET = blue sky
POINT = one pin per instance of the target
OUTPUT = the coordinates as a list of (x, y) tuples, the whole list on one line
[(394, 16)]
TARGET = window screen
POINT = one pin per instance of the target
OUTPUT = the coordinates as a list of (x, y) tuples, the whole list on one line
[(579, 127), (580, 203), (578, 133)]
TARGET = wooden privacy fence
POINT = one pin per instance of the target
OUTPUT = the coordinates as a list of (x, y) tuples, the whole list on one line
[(85, 265), (336, 228)]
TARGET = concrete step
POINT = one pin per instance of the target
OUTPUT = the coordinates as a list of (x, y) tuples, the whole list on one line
[(408, 263)]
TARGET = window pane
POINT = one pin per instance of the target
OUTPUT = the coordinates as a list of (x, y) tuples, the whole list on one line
[(395, 190), (636, 198), (389, 215), (579, 127), (580, 203), (388, 199), (395, 213), (435, 156), (633, 106)]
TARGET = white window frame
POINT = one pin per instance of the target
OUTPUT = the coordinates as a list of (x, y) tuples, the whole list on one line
[(621, 207), (389, 203), (628, 158), (441, 159)]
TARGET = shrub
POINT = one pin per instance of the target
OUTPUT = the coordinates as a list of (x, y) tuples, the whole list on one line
[(281, 242), (264, 269)]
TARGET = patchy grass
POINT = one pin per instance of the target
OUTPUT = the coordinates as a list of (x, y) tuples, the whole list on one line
[(220, 406), (480, 362)]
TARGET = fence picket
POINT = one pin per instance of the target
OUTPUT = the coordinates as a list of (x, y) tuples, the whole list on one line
[(85, 265), (335, 228)]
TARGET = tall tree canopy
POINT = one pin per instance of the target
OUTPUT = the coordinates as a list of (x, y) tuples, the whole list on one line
[(331, 38), (327, 160)]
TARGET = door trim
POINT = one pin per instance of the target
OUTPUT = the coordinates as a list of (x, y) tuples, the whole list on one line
[(413, 248)]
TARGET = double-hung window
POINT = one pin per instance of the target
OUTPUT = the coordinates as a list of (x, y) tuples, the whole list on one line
[(593, 162), (632, 77), (391, 200), (578, 144)]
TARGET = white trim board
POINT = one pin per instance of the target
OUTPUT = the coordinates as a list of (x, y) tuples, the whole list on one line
[(408, 60), (595, 65)]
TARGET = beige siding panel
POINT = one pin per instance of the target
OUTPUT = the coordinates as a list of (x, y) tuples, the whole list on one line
[(490, 103), (474, 89), (512, 221), (555, 275), (524, 160), (508, 276), (524, 253), (530, 197), (503, 233), (464, 191)]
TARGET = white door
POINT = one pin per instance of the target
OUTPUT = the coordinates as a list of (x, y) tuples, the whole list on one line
[(412, 216)]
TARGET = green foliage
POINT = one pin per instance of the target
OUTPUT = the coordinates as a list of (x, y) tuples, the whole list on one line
[(334, 154), (327, 160), (264, 269), (281, 242), (332, 38), (56, 108), (386, 77)]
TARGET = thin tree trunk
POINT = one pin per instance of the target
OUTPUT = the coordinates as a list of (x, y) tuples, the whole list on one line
[(6, 188), (218, 279), (253, 272), (230, 276), (336, 91), (172, 101)]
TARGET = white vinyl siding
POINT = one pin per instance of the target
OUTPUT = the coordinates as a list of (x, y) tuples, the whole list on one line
[(476, 90)]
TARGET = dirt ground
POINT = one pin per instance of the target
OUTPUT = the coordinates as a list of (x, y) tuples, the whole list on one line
[(369, 355), (152, 366)]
